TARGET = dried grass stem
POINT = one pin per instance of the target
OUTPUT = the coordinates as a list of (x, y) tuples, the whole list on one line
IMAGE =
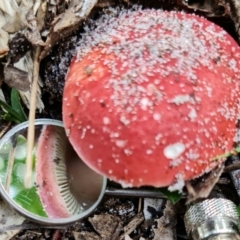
[(31, 130)]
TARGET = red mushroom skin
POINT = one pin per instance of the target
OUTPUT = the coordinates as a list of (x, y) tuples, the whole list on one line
[(152, 96), (49, 190)]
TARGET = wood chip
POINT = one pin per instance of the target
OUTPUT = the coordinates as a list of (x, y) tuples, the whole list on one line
[(107, 226), (204, 185), (86, 236), (166, 229), (133, 224)]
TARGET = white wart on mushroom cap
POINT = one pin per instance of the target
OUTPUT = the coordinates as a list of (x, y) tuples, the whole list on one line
[(152, 96)]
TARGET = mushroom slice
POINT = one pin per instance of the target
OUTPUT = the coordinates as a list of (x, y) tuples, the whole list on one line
[(152, 96), (51, 174)]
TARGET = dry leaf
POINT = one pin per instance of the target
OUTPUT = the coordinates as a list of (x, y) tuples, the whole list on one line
[(8, 11), (11, 222), (209, 7), (16, 78), (40, 15), (235, 175), (14, 24), (235, 14), (65, 23), (18, 46), (9, 7), (31, 32), (234, 171), (86, 236), (26, 64), (107, 226), (12, 21), (4, 37), (204, 185), (24, 18), (166, 229)]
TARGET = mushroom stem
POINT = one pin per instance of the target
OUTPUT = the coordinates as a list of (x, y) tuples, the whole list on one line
[(30, 135)]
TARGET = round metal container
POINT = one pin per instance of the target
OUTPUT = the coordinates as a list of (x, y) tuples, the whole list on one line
[(89, 187)]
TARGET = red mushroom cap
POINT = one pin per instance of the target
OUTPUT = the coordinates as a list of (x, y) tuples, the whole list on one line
[(152, 96)]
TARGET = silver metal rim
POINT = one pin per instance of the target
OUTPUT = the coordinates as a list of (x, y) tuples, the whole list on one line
[(29, 215)]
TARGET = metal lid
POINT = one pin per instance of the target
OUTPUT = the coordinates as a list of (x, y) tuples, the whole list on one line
[(211, 216)]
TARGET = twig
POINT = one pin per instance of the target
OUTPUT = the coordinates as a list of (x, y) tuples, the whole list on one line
[(31, 129), (139, 205), (133, 224), (5, 129), (232, 167), (10, 168)]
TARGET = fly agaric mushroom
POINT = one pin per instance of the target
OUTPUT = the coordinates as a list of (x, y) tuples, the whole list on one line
[(51, 178), (152, 96)]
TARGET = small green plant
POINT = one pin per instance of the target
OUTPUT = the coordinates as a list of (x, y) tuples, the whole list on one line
[(14, 112), (238, 210), (12, 178), (174, 197)]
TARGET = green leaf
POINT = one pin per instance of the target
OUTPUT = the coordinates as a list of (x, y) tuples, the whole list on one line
[(16, 104), (174, 197), (238, 210), (9, 118), (29, 200), (11, 114)]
